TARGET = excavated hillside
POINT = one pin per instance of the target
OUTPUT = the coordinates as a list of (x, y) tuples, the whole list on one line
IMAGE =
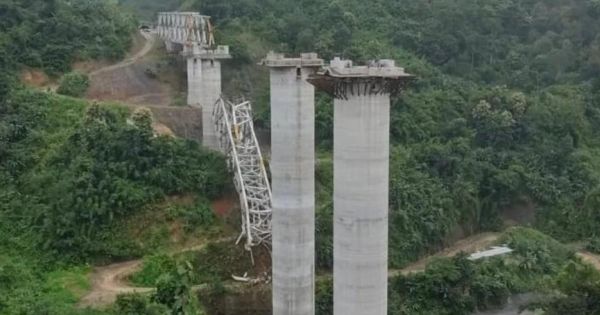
[(149, 78)]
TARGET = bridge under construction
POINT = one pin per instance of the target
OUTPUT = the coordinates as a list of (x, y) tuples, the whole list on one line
[(283, 218)]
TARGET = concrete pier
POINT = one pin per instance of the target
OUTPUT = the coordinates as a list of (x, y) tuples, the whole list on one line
[(204, 85), (361, 168), (293, 182), (169, 46), (192, 33), (194, 80), (211, 91)]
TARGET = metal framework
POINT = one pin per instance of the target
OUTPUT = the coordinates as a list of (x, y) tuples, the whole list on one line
[(186, 28), (235, 130)]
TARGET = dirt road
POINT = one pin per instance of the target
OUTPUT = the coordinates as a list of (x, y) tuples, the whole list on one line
[(110, 281), (468, 245), (150, 37)]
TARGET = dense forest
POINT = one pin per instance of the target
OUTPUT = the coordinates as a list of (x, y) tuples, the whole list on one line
[(502, 125), (504, 113), (503, 117), (71, 173)]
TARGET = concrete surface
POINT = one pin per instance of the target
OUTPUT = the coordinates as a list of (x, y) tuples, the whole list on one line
[(361, 167), (211, 92), (293, 186)]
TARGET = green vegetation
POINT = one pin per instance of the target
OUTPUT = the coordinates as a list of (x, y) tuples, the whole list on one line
[(51, 34), (459, 286), (137, 304), (71, 174), (174, 295), (196, 216), (95, 172), (153, 267), (594, 245), (579, 287), (27, 288), (503, 119), (146, 10), (74, 84), (175, 291), (212, 264), (34, 127)]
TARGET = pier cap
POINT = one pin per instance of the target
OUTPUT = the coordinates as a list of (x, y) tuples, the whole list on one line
[(214, 53), (278, 60), (341, 78)]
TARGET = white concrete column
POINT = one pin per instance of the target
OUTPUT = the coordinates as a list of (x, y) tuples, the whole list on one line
[(211, 92), (194, 75), (361, 165), (170, 47), (293, 173)]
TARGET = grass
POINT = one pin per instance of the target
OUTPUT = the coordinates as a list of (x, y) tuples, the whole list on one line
[(68, 286), (153, 267)]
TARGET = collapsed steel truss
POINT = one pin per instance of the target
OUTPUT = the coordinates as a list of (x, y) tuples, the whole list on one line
[(237, 139)]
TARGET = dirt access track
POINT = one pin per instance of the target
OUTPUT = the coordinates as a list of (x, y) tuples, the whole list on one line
[(110, 281), (129, 83)]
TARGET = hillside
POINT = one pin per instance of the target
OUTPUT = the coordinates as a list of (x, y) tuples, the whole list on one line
[(500, 129), (78, 178), (502, 119)]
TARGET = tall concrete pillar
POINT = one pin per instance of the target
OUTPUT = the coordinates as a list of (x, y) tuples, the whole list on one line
[(204, 85), (194, 79), (211, 91), (169, 46), (293, 182), (361, 167)]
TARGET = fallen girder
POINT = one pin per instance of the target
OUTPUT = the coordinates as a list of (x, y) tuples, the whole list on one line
[(237, 139)]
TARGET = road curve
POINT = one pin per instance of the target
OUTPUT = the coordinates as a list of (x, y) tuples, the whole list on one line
[(150, 37), (110, 281)]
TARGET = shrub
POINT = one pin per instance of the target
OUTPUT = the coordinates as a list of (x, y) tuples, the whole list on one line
[(580, 288), (109, 169), (175, 291), (594, 245), (137, 304), (153, 267), (199, 214), (535, 251), (324, 297), (74, 84), (131, 304)]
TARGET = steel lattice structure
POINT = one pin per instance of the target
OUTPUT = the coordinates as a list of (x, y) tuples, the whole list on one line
[(186, 28), (235, 130)]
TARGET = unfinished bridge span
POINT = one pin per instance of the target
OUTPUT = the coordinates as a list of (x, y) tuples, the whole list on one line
[(226, 127), (191, 35), (285, 216)]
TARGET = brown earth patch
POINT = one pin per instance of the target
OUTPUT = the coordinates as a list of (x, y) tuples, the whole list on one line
[(223, 207), (162, 130), (38, 79), (590, 258)]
